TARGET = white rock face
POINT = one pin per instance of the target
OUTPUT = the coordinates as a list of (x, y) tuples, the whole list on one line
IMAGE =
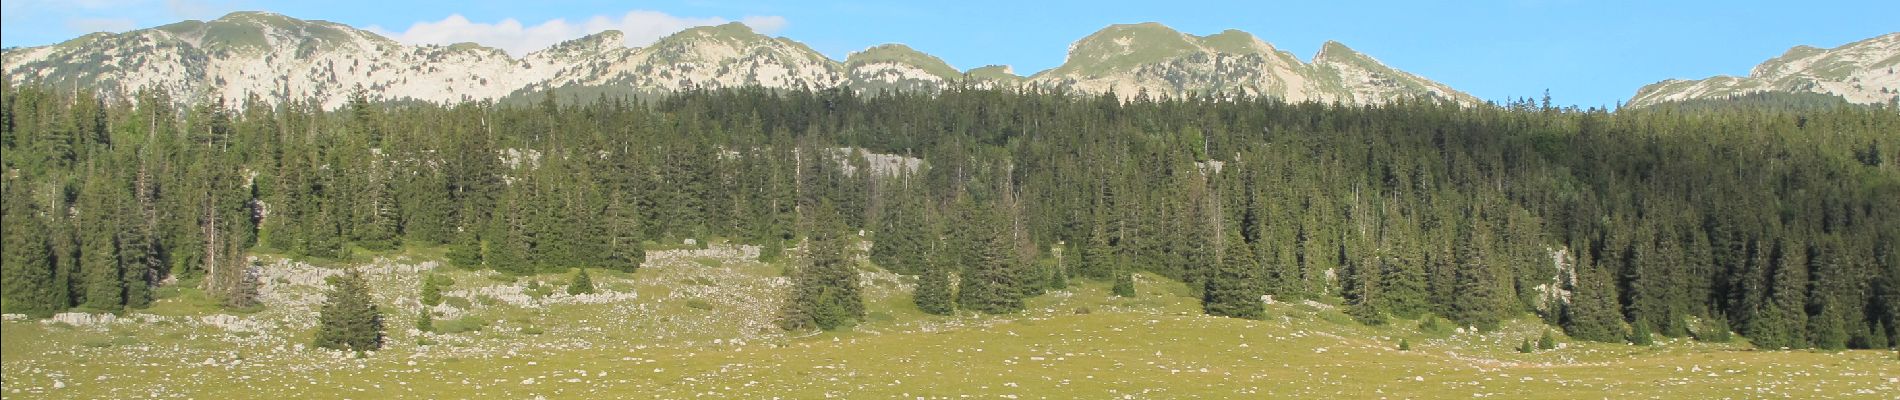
[(1864, 72), (273, 58)]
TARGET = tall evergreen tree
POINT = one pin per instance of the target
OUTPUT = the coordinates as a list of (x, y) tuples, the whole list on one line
[(991, 284), (825, 292), (28, 264), (349, 318), (1234, 290)]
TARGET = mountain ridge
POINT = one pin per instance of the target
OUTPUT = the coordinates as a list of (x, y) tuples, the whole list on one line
[(1866, 71), (277, 58)]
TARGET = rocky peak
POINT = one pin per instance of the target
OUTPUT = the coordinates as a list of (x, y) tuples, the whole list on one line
[(1861, 72)]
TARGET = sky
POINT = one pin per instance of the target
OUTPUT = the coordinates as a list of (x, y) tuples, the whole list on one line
[(1586, 53)]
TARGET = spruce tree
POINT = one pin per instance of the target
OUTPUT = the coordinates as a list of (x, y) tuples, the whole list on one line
[(98, 255), (933, 294), (431, 294), (1548, 341), (825, 292), (1124, 282), (28, 264), (1234, 290), (425, 322), (349, 318), (1477, 285), (1640, 335), (1877, 336), (900, 235), (991, 285), (582, 284), (625, 252), (1591, 312)]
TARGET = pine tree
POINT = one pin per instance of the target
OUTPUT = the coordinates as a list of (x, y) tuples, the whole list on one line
[(349, 319), (1234, 290), (582, 284), (1548, 341), (1525, 347)]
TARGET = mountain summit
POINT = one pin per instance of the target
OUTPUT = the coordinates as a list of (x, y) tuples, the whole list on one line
[(1157, 60), (274, 58), (1861, 72)]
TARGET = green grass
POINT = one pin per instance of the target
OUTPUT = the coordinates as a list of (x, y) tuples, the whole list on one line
[(678, 340)]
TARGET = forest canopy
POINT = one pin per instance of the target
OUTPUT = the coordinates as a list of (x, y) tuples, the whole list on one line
[(1778, 220)]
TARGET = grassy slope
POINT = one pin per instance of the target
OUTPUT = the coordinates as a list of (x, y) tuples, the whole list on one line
[(1155, 345)]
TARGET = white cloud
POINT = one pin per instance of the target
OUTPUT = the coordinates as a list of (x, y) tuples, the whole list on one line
[(89, 25), (641, 28)]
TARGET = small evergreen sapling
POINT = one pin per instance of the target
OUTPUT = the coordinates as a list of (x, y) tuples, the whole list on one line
[(1640, 335), (424, 321), (582, 284)]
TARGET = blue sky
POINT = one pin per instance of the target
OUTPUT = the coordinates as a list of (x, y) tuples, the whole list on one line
[(1586, 53)]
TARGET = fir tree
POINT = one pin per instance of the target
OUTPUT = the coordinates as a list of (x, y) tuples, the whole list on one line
[(991, 285), (432, 289), (934, 294), (28, 264), (1124, 283), (1591, 312), (349, 319), (625, 252), (825, 293), (582, 284), (425, 322), (1640, 335), (1234, 289)]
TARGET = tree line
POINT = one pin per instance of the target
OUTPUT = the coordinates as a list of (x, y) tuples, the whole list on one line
[(1779, 223)]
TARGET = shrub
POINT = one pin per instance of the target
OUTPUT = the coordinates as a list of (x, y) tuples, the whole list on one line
[(698, 304), (1548, 342), (465, 324)]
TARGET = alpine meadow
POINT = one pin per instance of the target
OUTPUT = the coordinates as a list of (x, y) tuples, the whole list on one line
[(260, 206)]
